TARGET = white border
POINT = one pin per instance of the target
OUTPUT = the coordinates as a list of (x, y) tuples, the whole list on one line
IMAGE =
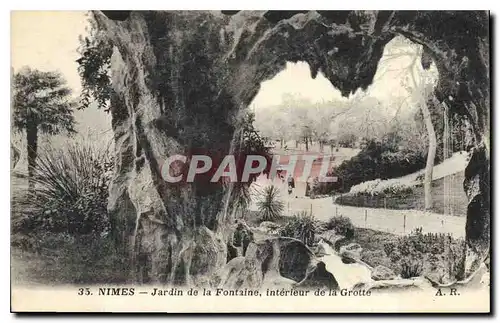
[(177, 5)]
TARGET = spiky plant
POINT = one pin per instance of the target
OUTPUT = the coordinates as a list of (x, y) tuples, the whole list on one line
[(71, 189), (270, 205)]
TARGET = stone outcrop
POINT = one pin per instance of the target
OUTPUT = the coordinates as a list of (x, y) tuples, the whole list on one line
[(275, 262), (351, 251), (383, 273), (181, 80)]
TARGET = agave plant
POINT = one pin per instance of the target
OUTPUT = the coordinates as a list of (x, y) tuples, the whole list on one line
[(270, 205), (71, 189)]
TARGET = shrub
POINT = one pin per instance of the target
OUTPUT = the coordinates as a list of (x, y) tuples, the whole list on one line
[(342, 225), (419, 253), (378, 187), (411, 267), (62, 258), (397, 189), (270, 206), (71, 190), (302, 226)]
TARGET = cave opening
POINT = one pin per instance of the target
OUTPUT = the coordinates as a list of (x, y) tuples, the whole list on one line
[(253, 46), (297, 114)]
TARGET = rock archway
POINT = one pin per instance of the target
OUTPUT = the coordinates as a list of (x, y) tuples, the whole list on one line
[(182, 78)]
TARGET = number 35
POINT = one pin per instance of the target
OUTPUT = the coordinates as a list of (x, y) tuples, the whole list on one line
[(84, 291)]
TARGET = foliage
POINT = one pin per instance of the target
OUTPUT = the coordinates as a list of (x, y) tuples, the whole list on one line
[(392, 187), (342, 225), (378, 160), (42, 100), (301, 226), (411, 267), (93, 66), (270, 205), (250, 144), (71, 190), (347, 140), (417, 253)]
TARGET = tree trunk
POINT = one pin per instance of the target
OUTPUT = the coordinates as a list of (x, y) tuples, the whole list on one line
[(431, 155), (32, 146), (448, 210), (307, 143)]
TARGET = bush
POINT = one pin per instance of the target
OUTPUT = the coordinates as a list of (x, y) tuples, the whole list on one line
[(270, 206), (302, 226), (342, 225), (411, 268), (71, 191), (429, 253)]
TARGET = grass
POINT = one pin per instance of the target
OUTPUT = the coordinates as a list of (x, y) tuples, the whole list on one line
[(301, 226), (270, 204), (56, 259)]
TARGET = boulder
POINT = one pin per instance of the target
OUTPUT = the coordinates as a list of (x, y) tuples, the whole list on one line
[(282, 262), (269, 227), (332, 238), (383, 273), (320, 278), (321, 250), (352, 250)]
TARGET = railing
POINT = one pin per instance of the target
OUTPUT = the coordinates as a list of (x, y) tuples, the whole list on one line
[(388, 220)]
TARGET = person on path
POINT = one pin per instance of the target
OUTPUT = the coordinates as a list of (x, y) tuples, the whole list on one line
[(291, 183)]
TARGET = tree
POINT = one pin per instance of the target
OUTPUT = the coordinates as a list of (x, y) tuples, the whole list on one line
[(423, 95), (419, 85), (41, 103)]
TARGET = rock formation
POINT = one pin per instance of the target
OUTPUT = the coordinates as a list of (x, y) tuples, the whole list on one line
[(182, 79)]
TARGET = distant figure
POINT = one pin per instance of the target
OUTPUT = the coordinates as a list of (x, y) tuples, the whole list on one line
[(291, 184), (281, 175), (309, 184)]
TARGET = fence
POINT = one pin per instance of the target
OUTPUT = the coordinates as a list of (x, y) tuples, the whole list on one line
[(388, 220)]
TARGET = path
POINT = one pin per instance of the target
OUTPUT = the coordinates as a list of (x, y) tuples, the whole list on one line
[(388, 220)]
